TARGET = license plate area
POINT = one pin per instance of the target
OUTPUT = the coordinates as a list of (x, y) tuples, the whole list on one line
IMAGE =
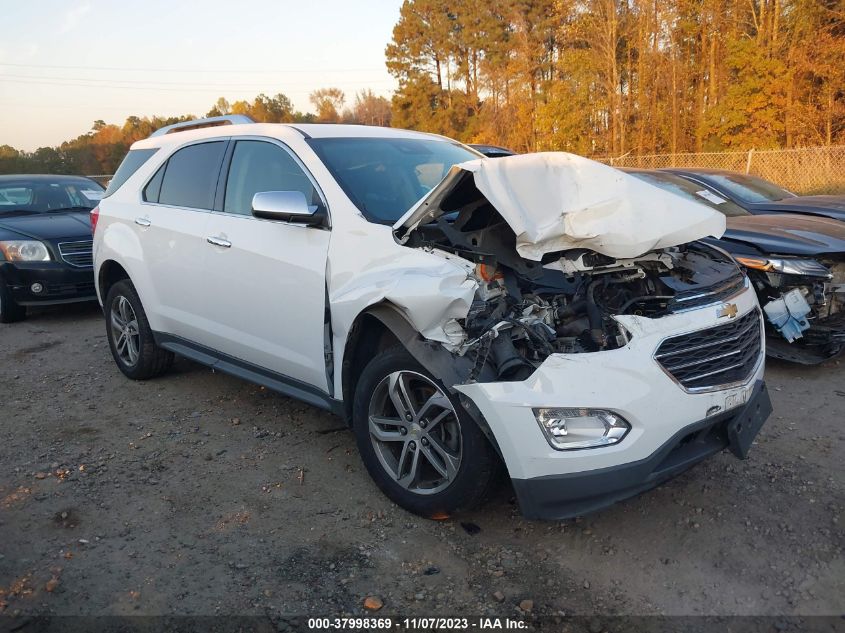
[(737, 398), (744, 427)]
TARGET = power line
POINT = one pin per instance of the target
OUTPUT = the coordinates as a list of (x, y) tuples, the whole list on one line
[(155, 88), (151, 82), (240, 71)]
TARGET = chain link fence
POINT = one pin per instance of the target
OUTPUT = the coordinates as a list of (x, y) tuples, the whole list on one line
[(805, 171)]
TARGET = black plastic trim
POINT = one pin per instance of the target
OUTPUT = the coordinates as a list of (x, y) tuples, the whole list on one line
[(249, 372), (305, 135)]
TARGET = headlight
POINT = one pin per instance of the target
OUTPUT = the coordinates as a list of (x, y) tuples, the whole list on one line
[(24, 251), (787, 266), (570, 429)]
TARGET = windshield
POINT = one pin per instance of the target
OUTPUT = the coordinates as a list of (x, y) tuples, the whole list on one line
[(749, 189), (690, 190), (384, 177), (40, 195)]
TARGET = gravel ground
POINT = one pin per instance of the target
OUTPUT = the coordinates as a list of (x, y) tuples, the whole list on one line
[(200, 494)]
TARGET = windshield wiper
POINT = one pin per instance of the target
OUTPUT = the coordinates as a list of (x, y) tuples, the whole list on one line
[(4, 212)]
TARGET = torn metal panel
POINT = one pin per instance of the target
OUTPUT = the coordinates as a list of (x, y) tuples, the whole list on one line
[(431, 291), (556, 201)]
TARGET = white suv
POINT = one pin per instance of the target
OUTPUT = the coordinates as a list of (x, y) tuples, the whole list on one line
[(542, 311)]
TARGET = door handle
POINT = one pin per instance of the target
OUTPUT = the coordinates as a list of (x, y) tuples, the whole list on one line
[(216, 241), (142, 221)]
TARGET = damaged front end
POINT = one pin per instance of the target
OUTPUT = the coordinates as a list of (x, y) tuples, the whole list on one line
[(562, 301), (603, 348), (569, 303), (804, 303)]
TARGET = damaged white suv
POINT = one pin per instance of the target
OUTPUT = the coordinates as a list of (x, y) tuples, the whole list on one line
[(543, 311)]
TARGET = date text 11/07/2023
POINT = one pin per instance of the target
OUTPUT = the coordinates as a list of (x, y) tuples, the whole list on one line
[(416, 624)]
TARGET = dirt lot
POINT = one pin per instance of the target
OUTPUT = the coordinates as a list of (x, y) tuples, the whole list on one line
[(197, 493)]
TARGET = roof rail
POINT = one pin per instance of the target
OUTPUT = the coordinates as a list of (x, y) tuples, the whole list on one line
[(195, 124)]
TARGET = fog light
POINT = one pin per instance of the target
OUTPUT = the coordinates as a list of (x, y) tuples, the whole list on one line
[(36, 288), (570, 429)]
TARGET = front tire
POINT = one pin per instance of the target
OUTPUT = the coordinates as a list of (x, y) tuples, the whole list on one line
[(418, 444), (130, 337), (10, 311)]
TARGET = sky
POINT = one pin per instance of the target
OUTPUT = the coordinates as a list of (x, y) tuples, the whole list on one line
[(65, 64)]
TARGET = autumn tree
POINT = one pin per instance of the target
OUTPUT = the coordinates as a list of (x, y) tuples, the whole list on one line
[(220, 108), (610, 77), (370, 109), (329, 104)]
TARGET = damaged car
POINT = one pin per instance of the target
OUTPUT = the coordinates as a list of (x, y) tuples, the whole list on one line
[(759, 196), (543, 313), (796, 264)]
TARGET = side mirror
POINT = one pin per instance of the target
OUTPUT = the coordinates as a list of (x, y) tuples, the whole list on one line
[(287, 206)]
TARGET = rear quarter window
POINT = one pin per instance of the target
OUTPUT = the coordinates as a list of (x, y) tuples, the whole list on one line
[(131, 163), (190, 176)]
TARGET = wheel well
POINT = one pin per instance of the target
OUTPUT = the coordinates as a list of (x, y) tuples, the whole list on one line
[(110, 273), (367, 337)]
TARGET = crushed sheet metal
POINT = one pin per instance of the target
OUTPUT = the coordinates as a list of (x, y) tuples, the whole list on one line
[(556, 201), (431, 289)]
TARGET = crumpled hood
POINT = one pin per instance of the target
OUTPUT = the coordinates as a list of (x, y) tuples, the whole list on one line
[(556, 201)]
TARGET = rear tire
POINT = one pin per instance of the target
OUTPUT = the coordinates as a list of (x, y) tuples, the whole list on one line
[(417, 442), (130, 337), (10, 311)]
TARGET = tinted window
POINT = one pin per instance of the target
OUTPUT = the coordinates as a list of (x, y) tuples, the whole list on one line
[(258, 166), (131, 163), (384, 177), (153, 188), (690, 190), (748, 188), (190, 177), (44, 195)]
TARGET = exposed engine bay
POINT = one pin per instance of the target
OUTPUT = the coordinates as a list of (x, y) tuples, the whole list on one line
[(524, 310)]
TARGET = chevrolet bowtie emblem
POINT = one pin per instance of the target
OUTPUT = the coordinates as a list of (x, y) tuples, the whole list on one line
[(727, 310)]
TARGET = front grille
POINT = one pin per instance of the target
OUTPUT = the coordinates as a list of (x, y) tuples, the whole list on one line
[(715, 294), (716, 356), (77, 254)]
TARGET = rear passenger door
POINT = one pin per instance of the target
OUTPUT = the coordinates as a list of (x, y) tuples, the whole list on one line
[(266, 279), (177, 203)]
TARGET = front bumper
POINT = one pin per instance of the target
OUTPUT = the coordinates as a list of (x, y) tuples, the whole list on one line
[(628, 381), (556, 497), (61, 283)]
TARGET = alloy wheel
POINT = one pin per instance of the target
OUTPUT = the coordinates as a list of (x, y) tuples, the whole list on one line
[(415, 432), (124, 327)]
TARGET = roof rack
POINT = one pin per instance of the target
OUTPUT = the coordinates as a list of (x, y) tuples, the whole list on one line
[(195, 124)]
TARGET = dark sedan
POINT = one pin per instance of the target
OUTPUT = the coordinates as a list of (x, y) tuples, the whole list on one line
[(797, 266), (758, 196), (492, 151), (45, 242)]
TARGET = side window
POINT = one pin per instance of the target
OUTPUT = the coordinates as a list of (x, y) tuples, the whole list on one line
[(153, 188), (259, 166), (190, 178), (131, 163)]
